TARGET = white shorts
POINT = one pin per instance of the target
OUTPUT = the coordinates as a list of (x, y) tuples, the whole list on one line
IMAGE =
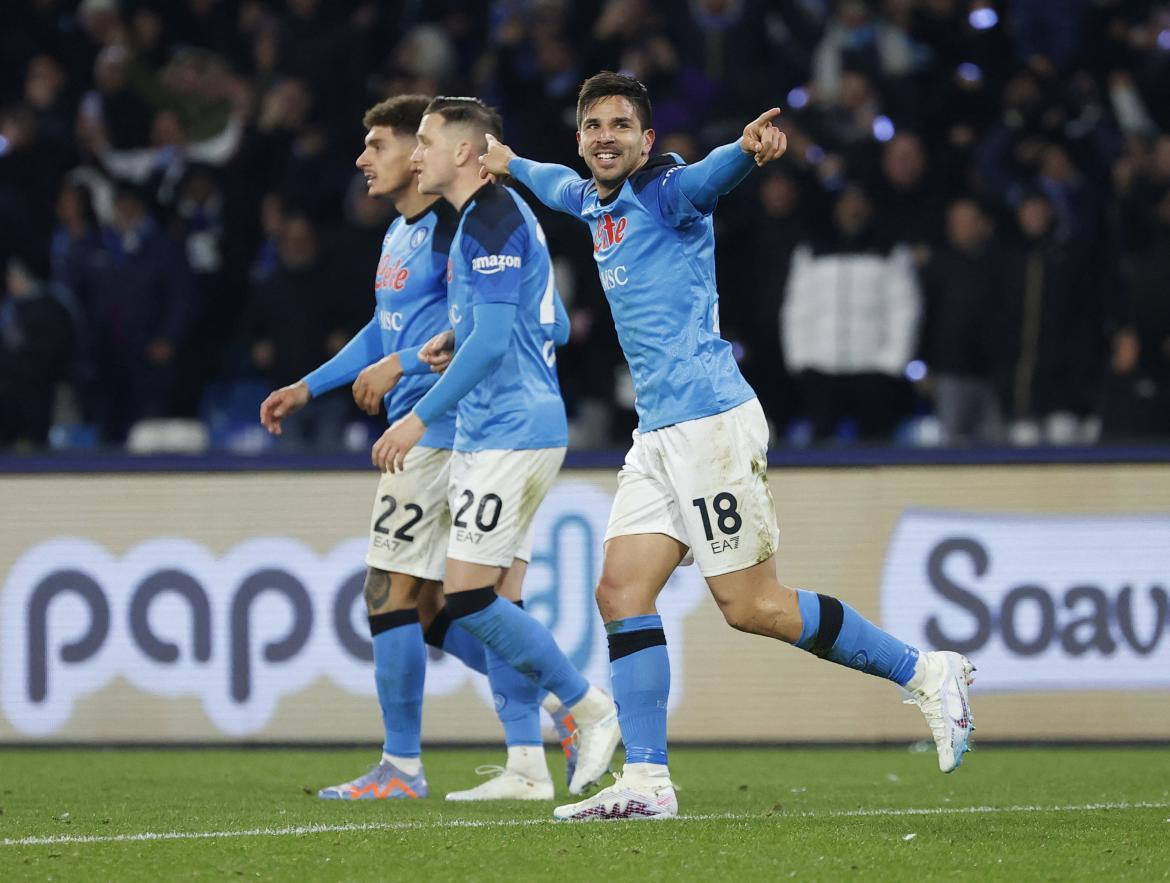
[(705, 483), (493, 497), (410, 522)]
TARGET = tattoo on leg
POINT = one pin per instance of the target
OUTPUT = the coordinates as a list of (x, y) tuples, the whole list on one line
[(377, 589)]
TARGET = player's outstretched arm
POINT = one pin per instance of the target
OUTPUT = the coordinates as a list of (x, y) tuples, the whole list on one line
[(477, 358), (549, 182), (724, 167), (282, 402)]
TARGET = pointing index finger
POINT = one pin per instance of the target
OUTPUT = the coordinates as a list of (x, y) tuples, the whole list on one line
[(766, 117)]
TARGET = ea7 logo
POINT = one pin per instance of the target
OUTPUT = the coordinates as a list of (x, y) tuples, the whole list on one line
[(608, 233), (495, 263)]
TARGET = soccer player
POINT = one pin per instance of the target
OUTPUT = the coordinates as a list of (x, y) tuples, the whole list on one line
[(511, 430), (694, 484), (408, 527)]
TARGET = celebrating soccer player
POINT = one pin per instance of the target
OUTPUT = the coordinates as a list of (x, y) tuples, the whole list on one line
[(511, 430), (408, 527), (694, 485)]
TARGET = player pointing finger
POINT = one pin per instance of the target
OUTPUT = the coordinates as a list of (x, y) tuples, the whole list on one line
[(762, 139), (495, 161)]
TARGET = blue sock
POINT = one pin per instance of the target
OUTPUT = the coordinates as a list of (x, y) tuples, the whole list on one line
[(523, 642), (517, 700), (640, 670), (456, 640), (837, 632), (400, 667)]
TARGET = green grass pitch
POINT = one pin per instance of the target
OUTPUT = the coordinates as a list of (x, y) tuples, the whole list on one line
[(748, 814)]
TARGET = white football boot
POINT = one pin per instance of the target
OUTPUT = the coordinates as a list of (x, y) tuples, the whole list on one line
[(943, 700), (598, 735), (505, 784), (627, 798)]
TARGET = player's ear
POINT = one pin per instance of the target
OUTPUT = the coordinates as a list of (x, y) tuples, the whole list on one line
[(580, 152), (647, 141), (464, 152)]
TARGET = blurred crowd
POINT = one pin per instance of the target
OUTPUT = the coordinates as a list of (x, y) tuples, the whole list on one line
[(968, 241)]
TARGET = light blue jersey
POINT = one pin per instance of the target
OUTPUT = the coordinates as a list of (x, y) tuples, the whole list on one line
[(499, 256), (410, 290), (654, 245)]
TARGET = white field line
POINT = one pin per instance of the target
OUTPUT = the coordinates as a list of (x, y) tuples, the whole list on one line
[(419, 825)]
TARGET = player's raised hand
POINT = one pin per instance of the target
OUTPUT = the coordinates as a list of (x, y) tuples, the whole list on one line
[(494, 163), (437, 351), (763, 140), (375, 381), (389, 451), (281, 403)]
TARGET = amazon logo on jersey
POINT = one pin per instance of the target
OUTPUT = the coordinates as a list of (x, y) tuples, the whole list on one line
[(495, 263)]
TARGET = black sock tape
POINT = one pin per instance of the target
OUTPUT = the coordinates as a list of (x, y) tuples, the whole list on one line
[(460, 604), (383, 622), (832, 615), (624, 643)]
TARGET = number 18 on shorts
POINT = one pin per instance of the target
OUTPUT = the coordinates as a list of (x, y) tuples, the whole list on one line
[(703, 482)]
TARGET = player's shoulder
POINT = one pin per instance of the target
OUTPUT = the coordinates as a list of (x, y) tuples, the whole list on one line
[(656, 171), (446, 221), (492, 216)]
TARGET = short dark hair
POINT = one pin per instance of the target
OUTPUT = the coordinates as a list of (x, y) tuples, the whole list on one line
[(402, 113), (468, 111), (608, 84)]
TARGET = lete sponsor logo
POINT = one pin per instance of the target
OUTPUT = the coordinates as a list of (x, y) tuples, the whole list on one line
[(1037, 602), (265, 620)]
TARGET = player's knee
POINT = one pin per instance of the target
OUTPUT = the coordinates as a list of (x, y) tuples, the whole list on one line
[(612, 597), (430, 601), (621, 599), (605, 592), (376, 590), (770, 610), (739, 613)]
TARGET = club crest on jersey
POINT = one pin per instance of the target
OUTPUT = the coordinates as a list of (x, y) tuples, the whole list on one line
[(391, 274), (608, 233), (419, 236)]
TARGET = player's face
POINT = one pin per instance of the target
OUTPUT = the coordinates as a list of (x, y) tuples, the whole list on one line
[(434, 155), (612, 141), (385, 161)]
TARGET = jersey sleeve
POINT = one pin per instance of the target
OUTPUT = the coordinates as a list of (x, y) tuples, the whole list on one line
[(363, 349), (494, 245), (686, 193), (558, 187), (478, 357)]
